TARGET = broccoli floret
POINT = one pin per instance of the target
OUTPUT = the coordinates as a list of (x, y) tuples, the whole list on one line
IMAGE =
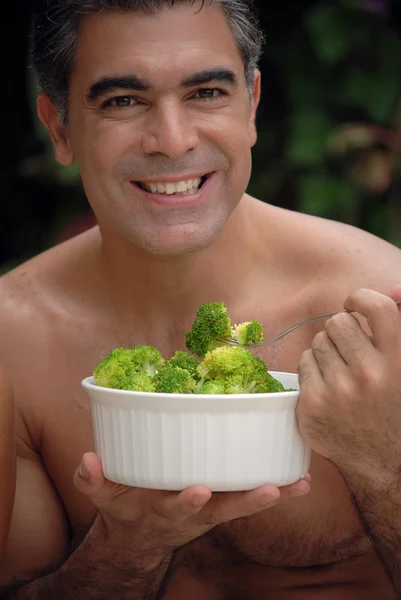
[(115, 369), (237, 384), (147, 359), (140, 382), (185, 361), (212, 387), (248, 332), (242, 372), (118, 368), (224, 361), (174, 380), (211, 324)]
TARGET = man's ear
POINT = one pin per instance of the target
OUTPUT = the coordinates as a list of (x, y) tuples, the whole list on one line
[(50, 117), (256, 91)]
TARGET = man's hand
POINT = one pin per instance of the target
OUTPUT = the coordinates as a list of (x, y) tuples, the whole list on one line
[(350, 401), (160, 521)]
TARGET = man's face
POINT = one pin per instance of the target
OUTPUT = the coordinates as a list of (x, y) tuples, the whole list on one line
[(159, 104)]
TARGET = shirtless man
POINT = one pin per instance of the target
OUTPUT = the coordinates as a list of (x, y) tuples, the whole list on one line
[(7, 459), (158, 97)]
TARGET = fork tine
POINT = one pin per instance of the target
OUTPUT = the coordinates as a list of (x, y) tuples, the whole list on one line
[(228, 341)]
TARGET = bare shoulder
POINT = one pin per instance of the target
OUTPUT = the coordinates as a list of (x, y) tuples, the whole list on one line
[(331, 257), (39, 314), (43, 283)]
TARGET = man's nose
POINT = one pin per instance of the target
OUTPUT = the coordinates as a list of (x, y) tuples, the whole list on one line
[(169, 131)]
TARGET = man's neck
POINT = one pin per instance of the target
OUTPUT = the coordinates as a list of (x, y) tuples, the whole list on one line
[(170, 288)]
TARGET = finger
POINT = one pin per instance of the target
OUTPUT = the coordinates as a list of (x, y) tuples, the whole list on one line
[(382, 315), (354, 346), (90, 481), (327, 356), (309, 374), (395, 294), (224, 507)]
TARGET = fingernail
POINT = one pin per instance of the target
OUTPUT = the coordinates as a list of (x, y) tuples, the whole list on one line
[(83, 471), (199, 501)]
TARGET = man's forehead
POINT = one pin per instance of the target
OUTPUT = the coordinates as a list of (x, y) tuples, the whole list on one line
[(177, 39)]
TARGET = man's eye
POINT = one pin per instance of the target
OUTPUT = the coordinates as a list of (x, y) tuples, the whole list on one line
[(209, 94), (120, 102)]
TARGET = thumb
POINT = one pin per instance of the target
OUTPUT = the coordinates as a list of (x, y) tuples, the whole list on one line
[(90, 481)]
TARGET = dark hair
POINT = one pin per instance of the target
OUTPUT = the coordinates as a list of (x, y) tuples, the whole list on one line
[(57, 23)]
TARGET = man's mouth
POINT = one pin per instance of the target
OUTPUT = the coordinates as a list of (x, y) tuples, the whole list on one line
[(186, 187)]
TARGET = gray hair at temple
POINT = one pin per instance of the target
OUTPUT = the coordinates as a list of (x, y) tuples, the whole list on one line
[(56, 26)]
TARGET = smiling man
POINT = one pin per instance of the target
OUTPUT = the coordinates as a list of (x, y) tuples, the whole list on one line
[(156, 101)]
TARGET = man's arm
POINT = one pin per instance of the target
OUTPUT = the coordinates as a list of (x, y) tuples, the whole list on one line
[(349, 411), (379, 508), (7, 459), (100, 567), (97, 571), (130, 545)]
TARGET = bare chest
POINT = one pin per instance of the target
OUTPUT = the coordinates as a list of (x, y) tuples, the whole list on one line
[(248, 556)]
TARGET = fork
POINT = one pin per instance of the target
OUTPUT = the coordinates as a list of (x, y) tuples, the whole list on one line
[(232, 342)]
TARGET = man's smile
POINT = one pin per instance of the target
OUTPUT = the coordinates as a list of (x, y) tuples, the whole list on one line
[(186, 186)]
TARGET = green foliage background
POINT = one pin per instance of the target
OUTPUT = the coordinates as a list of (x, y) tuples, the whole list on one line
[(329, 141)]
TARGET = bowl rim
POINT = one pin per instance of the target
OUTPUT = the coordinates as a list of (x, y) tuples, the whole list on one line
[(89, 384)]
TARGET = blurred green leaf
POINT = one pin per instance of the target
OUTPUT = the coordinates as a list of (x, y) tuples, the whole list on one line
[(307, 143), (330, 33), (327, 196), (374, 92)]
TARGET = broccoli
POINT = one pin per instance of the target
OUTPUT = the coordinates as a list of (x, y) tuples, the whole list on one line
[(140, 382), (115, 369), (119, 367), (211, 324), (241, 371), (224, 369), (245, 333), (212, 387), (147, 359), (185, 361), (174, 380)]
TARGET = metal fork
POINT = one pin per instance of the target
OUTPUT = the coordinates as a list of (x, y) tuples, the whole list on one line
[(232, 342)]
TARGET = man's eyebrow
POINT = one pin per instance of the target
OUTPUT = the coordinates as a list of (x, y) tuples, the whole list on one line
[(208, 75), (108, 84)]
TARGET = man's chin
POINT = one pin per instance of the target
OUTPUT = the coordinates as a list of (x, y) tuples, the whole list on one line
[(179, 243)]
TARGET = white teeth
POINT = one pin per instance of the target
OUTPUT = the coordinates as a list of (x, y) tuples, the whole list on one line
[(171, 188), (182, 186), (190, 186)]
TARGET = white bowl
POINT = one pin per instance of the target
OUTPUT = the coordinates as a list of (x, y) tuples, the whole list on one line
[(172, 441)]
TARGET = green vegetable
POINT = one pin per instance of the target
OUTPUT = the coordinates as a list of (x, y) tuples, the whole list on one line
[(239, 369), (174, 380), (248, 332), (221, 369), (211, 324), (140, 382), (185, 361), (212, 387), (117, 370), (148, 359)]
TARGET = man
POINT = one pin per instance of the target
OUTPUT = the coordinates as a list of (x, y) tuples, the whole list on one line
[(157, 102), (7, 459)]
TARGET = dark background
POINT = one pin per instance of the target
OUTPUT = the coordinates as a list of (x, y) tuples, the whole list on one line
[(329, 125)]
